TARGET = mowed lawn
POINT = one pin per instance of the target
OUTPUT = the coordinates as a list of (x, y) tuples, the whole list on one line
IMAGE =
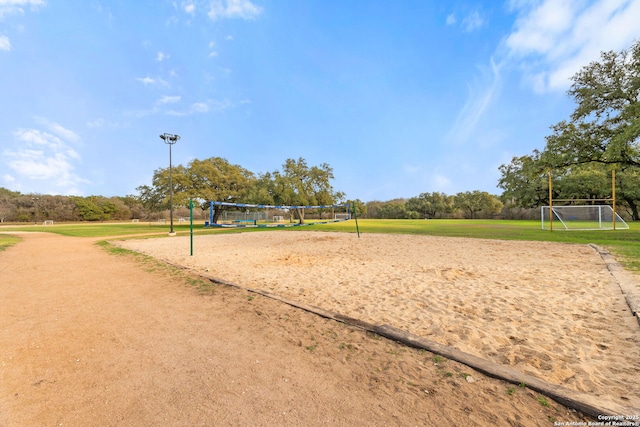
[(624, 244)]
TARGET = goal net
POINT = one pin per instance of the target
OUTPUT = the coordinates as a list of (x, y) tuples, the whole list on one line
[(582, 217)]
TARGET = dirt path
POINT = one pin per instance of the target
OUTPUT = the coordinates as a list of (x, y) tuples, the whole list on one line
[(92, 339)]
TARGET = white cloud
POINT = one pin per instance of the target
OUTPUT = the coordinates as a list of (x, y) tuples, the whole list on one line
[(5, 43), (481, 95), (203, 107), (189, 8), (168, 100), (59, 130), (213, 53), (244, 9), (146, 80), (8, 7), (149, 81), (538, 30), (18, 3), (17, 6), (472, 22), (161, 56), (36, 137), (220, 106), (451, 19), (45, 159), (98, 123), (553, 39), (200, 107), (8, 181)]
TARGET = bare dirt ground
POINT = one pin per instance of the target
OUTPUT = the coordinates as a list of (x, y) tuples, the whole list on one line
[(88, 338), (550, 310)]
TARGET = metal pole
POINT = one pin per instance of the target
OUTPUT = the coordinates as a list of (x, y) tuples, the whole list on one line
[(355, 216), (613, 195), (191, 224), (599, 216), (170, 139), (170, 193), (550, 203)]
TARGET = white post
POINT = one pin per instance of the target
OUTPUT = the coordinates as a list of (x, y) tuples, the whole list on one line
[(599, 216)]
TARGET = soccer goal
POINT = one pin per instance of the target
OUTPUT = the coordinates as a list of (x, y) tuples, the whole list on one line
[(582, 217), (48, 222)]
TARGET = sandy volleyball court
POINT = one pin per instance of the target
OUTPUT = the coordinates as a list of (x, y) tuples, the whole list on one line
[(550, 310)]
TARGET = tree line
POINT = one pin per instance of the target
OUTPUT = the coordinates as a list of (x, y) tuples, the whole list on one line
[(217, 179), (600, 136), (469, 204), (17, 207)]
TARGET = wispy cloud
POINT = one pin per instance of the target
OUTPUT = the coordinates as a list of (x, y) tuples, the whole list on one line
[(451, 19), (101, 123), (161, 56), (44, 157), (189, 7), (217, 106), (149, 81), (98, 123), (553, 39), (243, 9), (481, 94), (168, 100), (8, 7), (59, 130), (471, 21), (212, 52), (5, 43), (170, 106)]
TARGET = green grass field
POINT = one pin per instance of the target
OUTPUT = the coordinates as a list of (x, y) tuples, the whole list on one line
[(6, 241), (625, 244)]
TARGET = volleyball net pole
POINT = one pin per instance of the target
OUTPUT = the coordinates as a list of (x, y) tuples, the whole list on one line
[(355, 216), (191, 225)]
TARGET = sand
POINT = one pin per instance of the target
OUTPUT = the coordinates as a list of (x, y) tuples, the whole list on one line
[(89, 338), (547, 309)]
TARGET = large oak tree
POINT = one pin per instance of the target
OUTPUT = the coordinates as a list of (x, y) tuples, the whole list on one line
[(602, 134), (605, 126)]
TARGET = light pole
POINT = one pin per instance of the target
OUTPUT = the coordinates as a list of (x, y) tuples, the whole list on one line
[(170, 139)]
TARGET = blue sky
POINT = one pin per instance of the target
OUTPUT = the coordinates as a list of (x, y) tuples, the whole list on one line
[(399, 97)]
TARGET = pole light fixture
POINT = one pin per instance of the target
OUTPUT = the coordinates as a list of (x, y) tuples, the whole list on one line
[(170, 139)]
